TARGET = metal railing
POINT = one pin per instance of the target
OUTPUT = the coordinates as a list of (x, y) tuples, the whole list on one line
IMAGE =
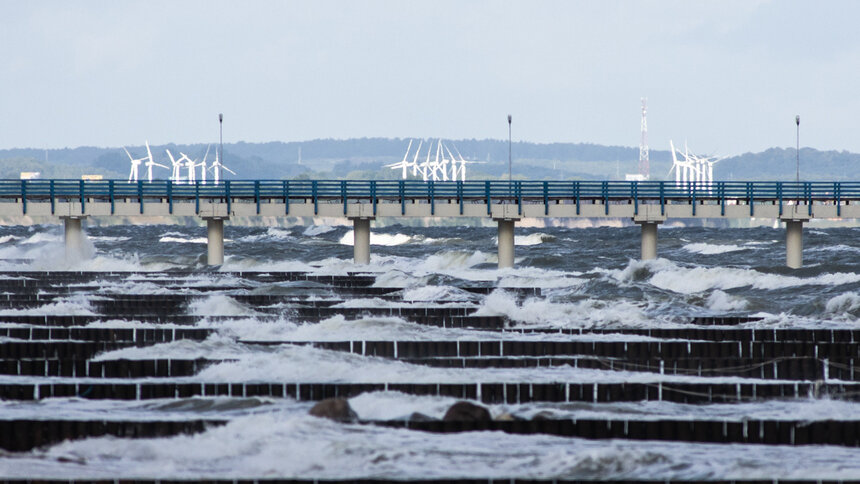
[(406, 191)]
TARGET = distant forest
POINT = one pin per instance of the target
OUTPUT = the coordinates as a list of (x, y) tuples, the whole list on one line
[(365, 158)]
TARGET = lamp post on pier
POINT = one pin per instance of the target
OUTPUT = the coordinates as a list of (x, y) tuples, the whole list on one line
[(797, 150), (510, 164), (221, 137)]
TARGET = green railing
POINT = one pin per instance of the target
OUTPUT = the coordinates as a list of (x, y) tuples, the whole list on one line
[(405, 191)]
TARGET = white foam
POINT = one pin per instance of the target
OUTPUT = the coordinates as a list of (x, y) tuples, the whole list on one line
[(583, 313), (219, 305), (377, 238), (243, 264), (184, 240), (435, 293), (272, 233), (291, 445), (535, 277), (846, 304), (72, 305), (667, 275), (106, 238), (314, 230), (214, 347), (290, 363), (532, 239), (834, 248), (721, 301), (711, 249), (43, 238)]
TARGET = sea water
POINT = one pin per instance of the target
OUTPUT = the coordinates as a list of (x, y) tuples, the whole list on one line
[(590, 278)]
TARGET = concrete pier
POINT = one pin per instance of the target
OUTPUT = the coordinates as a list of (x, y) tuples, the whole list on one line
[(649, 240), (361, 240), (215, 241), (794, 244), (506, 243), (74, 237)]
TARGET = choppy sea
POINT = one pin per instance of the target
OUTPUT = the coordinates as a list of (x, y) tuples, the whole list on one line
[(590, 278)]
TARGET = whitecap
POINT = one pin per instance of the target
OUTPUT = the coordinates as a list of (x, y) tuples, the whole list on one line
[(183, 240), (711, 249), (314, 230), (377, 238), (667, 275), (723, 302)]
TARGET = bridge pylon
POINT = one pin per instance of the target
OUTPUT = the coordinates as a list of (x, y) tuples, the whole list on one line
[(214, 240), (361, 239), (73, 237)]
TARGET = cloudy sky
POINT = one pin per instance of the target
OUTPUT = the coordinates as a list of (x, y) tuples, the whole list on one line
[(727, 76)]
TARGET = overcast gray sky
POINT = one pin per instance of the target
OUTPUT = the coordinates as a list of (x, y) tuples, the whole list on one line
[(727, 76)]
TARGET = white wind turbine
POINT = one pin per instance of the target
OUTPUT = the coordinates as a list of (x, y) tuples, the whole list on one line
[(135, 166), (202, 166), (404, 164), (216, 168), (698, 170), (176, 175), (683, 169), (190, 165), (150, 163)]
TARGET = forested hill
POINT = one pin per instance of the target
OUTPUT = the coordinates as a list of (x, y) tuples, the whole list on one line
[(366, 157)]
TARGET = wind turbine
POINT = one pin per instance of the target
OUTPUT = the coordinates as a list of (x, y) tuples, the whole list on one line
[(216, 168), (150, 163), (403, 163), (433, 167), (462, 169), (190, 165), (443, 165), (698, 170), (202, 165), (135, 166), (176, 175)]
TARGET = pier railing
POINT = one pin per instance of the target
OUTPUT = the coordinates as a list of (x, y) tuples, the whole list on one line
[(404, 191)]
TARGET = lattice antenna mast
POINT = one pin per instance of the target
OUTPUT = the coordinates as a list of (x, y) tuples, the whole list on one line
[(644, 164)]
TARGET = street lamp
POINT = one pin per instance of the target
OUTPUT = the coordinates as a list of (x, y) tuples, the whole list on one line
[(510, 165), (797, 150), (221, 136)]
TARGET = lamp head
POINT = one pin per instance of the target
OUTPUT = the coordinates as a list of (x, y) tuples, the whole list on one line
[(797, 119), (220, 117), (509, 119)]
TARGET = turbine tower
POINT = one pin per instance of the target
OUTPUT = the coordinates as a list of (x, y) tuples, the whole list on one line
[(176, 175), (217, 167), (644, 164), (150, 163), (135, 164), (443, 167)]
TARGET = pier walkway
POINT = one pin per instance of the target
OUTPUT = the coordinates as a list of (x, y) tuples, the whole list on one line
[(648, 204)]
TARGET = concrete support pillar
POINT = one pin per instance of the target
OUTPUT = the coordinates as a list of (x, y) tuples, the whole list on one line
[(649, 240), (794, 244), (506, 243), (361, 240), (74, 238), (215, 241)]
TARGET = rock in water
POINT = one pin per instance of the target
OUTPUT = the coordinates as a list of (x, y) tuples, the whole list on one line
[(466, 412), (420, 417), (334, 408)]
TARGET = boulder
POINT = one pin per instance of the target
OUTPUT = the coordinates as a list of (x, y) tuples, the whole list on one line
[(420, 417), (466, 412), (334, 408)]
